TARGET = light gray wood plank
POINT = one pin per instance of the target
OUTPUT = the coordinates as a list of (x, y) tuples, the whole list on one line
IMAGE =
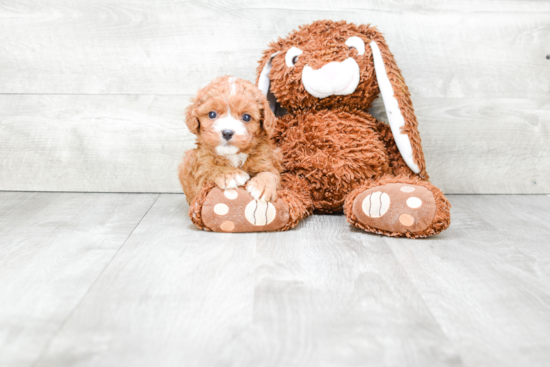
[(92, 143), (329, 295), (486, 279), (172, 294), (322, 295), (135, 143), (524, 221), (458, 49), (52, 248)]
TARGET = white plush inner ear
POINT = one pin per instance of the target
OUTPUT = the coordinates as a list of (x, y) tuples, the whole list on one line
[(395, 116), (264, 82)]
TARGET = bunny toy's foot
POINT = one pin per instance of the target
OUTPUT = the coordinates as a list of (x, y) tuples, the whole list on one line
[(412, 209), (234, 210)]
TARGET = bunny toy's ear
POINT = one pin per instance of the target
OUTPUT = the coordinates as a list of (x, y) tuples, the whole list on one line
[(264, 83), (397, 101)]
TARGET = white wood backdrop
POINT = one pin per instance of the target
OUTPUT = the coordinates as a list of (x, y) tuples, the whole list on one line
[(92, 92)]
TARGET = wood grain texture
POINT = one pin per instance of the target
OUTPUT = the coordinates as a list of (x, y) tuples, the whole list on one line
[(321, 293), (189, 294), (324, 294), (486, 278), (135, 143), (92, 143), (316, 296), (52, 249), (460, 49), (92, 93)]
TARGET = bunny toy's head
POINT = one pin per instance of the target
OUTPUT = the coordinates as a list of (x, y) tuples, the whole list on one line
[(321, 65)]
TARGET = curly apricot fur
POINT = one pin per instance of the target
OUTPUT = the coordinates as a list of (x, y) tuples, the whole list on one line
[(203, 165)]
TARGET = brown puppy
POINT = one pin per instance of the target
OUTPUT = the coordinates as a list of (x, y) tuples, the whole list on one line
[(233, 124)]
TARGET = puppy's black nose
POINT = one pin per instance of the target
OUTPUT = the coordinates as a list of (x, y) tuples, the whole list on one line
[(227, 134)]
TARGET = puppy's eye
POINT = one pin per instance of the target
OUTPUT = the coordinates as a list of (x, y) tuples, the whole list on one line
[(246, 117), (212, 115), (291, 57), (356, 43)]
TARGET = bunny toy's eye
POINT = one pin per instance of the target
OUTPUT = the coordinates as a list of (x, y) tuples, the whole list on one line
[(212, 115), (356, 43), (246, 117), (291, 57)]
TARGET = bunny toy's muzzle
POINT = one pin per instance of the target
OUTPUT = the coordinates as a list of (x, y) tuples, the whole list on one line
[(333, 79)]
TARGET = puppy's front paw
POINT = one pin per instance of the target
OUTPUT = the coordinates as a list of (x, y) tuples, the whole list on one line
[(261, 189), (231, 180)]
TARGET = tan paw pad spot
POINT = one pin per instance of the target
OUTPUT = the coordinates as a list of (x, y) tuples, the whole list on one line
[(407, 189), (414, 202), (406, 219), (231, 194), (376, 204), (260, 212), (227, 226), (221, 209)]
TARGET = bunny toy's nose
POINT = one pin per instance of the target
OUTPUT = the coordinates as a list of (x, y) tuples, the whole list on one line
[(331, 70)]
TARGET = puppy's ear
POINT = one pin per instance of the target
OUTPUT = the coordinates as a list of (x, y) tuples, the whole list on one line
[(191, 119), (397, 101)]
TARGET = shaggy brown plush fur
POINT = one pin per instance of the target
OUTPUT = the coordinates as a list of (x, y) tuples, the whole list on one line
[(195, 205), (333, 143), (323, 42), (330, 156), (296, 194)]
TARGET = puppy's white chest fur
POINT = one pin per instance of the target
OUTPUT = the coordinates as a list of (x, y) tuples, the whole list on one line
[(230, 152), (237, 160)]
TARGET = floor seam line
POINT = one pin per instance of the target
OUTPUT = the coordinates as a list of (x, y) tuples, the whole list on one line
[(92, 285), (457, 350)]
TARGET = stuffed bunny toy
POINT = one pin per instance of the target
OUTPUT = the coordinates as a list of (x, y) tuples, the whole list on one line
[(320, 82)]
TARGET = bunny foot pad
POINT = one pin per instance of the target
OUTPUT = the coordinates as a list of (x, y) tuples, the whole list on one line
[(396, 207), (234, 210)]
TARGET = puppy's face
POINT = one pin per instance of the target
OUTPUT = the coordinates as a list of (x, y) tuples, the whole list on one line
[(229, 115)]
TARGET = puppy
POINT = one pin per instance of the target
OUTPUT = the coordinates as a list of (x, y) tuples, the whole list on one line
[(233, 124)]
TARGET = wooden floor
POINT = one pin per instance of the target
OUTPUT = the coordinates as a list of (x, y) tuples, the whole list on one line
[(126, 280)]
